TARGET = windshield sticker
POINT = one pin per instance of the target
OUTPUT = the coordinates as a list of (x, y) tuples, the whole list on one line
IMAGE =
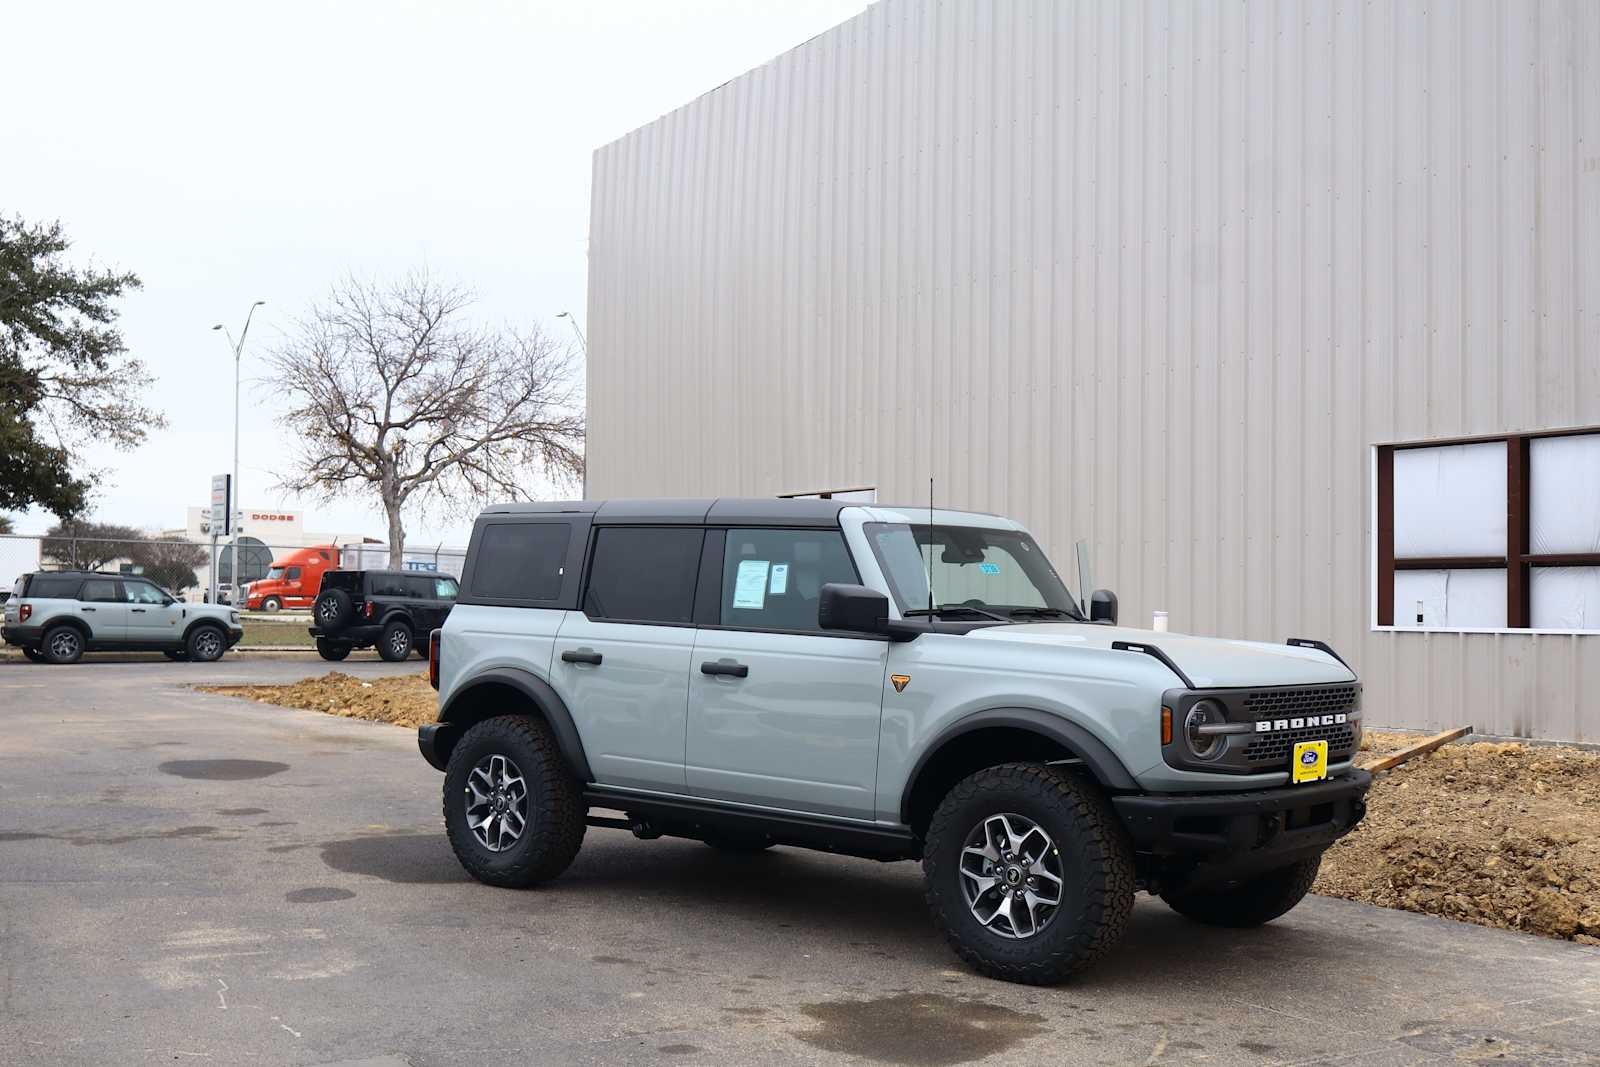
[(780, 579), (989, 568), (750, 586)]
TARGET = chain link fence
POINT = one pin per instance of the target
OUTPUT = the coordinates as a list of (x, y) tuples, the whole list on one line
[(185, 568)]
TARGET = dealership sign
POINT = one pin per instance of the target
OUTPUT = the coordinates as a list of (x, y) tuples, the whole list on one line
[(221, 505)]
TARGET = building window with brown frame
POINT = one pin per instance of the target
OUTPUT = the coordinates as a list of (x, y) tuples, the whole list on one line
[(1491, 533)]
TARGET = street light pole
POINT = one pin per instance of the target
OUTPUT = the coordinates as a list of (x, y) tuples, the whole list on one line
[(238, 354), (570, 317), (584, 345)]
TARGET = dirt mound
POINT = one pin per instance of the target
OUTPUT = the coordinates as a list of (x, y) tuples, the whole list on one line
[(1498, 834), (407, 700)]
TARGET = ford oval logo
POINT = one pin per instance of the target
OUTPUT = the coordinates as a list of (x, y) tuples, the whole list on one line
[(1308, 758)]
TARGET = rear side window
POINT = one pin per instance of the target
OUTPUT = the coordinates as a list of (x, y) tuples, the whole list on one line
[(99, 591), (53, 587), (773, 579), (444, 588), (388, 585), (644, 574), (420, 586), (521, 560)]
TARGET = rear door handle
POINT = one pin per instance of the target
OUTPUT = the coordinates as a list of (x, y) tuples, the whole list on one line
[(138, 611), (581, 655), (725, 666), (87, 609)]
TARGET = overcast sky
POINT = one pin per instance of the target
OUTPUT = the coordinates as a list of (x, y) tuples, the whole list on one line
[(229, 153)]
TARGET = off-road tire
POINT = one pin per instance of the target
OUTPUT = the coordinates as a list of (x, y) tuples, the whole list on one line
[(332, 609), (33, 654), (1251, 903), (271, 604), (332, 650), (63, 651), (396, 643), (176, 655), (199, 650), (555, 817), (1096, 862)]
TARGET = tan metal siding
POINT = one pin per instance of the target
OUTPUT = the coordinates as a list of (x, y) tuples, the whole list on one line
[(1153, 274)]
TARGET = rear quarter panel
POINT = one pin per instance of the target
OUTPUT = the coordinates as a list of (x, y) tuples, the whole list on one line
[(478, 637)]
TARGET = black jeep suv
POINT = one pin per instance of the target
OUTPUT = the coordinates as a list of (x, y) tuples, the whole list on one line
[(387, 609)]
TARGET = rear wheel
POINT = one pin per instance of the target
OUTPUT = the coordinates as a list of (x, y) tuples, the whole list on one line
[(33, 654), (63, 644), (1250, 903), (512, 810), (1028, 873), (331, 650), (395, 644), (206, 644)]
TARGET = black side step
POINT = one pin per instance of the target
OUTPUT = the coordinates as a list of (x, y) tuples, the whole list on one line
[(687, 817)]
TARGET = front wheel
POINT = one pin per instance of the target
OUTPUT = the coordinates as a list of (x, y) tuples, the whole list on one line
[(395, 644), (512, 809), (272, 603), (1250, 903), (1029, 875), (206, 644)]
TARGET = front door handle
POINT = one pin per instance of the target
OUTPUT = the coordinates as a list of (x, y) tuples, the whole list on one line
[(581, 655), (725, 666), (138, 611), (88, 609)]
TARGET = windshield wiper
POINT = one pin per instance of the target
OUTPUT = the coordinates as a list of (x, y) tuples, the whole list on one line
[(950, 609), (1039, 613)]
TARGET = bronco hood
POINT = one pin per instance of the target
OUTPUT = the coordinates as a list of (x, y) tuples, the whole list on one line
[(1210, 662)]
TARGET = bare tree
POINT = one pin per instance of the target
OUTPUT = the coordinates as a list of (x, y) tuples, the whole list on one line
[(170, 564), (397, 394)]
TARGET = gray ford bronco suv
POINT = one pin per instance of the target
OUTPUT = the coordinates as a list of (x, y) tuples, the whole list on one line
[(777, 672)]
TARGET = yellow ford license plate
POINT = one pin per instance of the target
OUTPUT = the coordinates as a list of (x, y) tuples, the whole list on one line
[(1310, 762)]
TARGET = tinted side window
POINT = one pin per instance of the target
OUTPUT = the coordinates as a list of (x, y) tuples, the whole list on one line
[(53, 587), (99, 591), (444, 588), (644, 574), (521, 560), (419, 586), (387, 585), (773, 579)]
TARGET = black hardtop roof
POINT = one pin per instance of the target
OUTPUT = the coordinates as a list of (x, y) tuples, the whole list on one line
[(80, 574), (692, 512)]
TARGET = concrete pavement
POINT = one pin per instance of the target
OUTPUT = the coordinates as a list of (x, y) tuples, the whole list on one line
[(193, 878)]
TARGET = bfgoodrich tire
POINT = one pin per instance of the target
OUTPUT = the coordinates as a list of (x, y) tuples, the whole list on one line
[(1029, 875), (512, 809), (1250, 903)]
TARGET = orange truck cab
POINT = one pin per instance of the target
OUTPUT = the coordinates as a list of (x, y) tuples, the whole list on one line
[(293, 580)]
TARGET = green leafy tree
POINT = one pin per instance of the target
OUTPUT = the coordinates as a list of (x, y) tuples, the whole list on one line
[(5, 524), (170, 564), (90, 545), (65, 376)]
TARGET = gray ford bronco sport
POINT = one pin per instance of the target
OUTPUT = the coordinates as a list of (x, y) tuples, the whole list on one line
[(760, 672)]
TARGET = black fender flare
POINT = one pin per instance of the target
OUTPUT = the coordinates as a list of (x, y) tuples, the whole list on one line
[(399, 614), (1096, 755), (544, 697)]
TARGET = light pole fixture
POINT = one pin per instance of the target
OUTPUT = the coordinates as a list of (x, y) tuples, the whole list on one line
[(583, 344), (238, 353)]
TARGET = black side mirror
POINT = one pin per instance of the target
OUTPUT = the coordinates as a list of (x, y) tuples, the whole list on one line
[(852, 607), (1103, 607)]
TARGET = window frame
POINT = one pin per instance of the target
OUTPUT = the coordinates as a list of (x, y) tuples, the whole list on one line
[(1518, 561)]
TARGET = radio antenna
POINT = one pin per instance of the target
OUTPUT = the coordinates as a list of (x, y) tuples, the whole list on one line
[(930, 548)]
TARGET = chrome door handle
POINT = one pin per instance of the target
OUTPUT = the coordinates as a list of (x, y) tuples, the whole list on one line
[(725, 667)]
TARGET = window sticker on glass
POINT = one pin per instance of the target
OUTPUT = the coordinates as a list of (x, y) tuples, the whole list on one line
[(750, 585), (989, 568), (780, 580)]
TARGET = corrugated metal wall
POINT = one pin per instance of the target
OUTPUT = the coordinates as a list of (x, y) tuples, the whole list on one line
[(1153, 274)]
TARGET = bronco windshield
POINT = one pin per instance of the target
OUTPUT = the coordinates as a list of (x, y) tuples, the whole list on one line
[(1000, 574)]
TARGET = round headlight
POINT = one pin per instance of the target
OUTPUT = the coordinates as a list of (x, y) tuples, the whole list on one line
[(1205, 713)]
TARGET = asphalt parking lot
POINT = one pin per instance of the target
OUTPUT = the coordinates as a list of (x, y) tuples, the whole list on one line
[(193, 878)]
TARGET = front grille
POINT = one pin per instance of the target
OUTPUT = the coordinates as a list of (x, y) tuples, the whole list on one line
[(1302, 700), (1277, 747)]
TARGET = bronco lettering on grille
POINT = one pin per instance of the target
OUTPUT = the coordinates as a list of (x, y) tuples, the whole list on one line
[(1267, 726)]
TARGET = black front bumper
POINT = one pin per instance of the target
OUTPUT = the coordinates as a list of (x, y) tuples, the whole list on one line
[(1223, 836)]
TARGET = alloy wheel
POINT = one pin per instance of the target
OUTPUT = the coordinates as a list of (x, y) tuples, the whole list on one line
[(1011, 875), (497, 803), (208, 644), (64, 644), (400, 644)]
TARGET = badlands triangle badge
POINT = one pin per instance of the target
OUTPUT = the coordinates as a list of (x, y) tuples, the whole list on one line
[(900, 682)]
